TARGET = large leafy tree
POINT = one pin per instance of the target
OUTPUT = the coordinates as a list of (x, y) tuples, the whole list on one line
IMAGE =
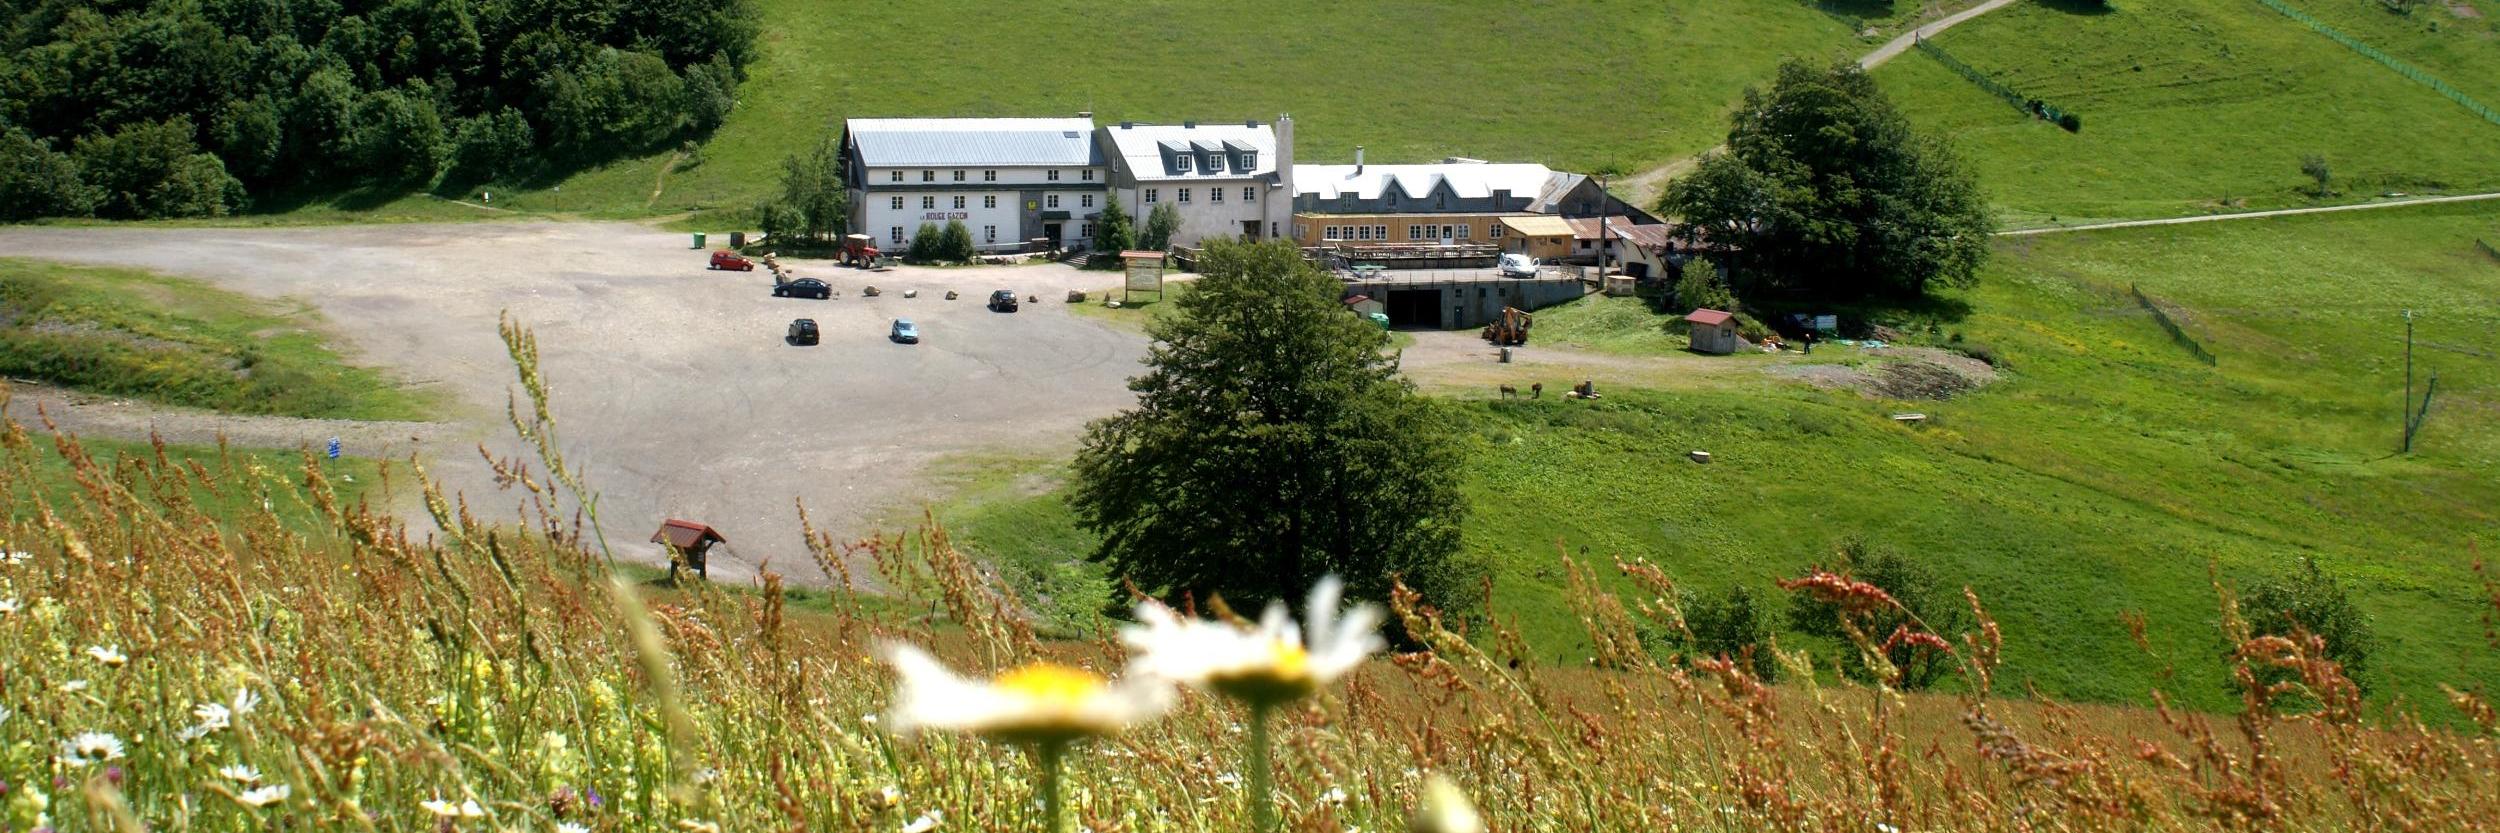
[(2308, 601), (1825, 192), (1273, 443)]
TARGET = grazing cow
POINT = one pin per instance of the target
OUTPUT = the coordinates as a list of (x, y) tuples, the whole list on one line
[(1536, 391), (1510, 392)]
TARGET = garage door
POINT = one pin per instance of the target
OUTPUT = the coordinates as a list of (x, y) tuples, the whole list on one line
[(1414, 307)]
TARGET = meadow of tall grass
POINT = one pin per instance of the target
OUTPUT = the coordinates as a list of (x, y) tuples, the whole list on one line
[(166, 667)]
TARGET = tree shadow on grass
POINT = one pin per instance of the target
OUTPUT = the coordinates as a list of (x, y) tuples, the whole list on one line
[(2081, 7)]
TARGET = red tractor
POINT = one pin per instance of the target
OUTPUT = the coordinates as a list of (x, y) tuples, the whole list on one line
[(859, 251)]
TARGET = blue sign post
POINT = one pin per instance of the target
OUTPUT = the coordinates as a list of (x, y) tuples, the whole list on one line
[(334, 448)]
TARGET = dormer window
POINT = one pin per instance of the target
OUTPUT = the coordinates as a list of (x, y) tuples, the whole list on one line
[(1182, 163), (1215, 164), (1247, 162)]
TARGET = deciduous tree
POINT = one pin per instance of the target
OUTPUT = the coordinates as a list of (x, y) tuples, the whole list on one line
[(1824, 191), (1273, 443)]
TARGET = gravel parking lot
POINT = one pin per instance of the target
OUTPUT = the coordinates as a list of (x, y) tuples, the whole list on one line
[(673, 384)]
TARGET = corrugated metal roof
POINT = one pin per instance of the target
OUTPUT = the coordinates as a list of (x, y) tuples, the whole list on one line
[(1539, 225), (1469, 180), (1141, 148), (1653, 235), (891, 143), (1709, 317)]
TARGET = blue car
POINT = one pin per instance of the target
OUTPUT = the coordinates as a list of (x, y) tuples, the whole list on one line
[(904, 331)]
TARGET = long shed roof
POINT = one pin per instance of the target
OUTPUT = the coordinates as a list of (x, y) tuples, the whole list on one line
[(885, 143), (1467, 180)]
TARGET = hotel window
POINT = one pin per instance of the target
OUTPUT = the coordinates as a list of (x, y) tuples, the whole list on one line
[(959, 202), (1494, 231), (989, 176), (989, 201), (989, 234), (1215, 164), (1249, 194), (898, 177), (1150, 195), (1181, 162), (928, 176), (1246, 162), (1414, 232), (1215, 195), (1086, 230), (1328, 233), (928, 203), (1380, 232), (897, 234), (1389, 198), (1301, 230), (1054, 175), (1089, 174), (1085, 201), (1464, 231), (1440, 203), (1184, 195), (1051, 201), (898, 203), (959, 176)]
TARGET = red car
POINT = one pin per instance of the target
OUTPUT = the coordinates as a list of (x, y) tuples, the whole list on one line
[(726, 259)]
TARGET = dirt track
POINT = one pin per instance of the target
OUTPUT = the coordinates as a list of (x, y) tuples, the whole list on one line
[(672, 383)]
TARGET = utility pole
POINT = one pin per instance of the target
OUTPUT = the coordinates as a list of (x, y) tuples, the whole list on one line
[(2407, 415), (1604, 206)]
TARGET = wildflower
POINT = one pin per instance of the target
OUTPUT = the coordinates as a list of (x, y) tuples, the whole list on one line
[(213, 716), (240, 773), (1268, 665), (698, 826), (16, 557), (5, 714), (926, 822), (1332, 796), (706, 775), (90, 747), (9, 606), (191, 733), (244, 702), (110, 655), (73, 686), (1444, 809), (1040, 703), (263, 796), (887, 797), (571, 827), (466, 809)]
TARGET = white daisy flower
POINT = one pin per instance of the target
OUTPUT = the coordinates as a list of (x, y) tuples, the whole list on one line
[(926, 822), (213, 716), (263, 796), (441, 808), (110, 655), (887, 797), (5, 714), (9, 606), (89, 748), (191, 733), (698, 826), (240, 773), (244, 702), (16, 557), (1038, 703), (1332, 796), (571, 827), (1275, 662), (1444, 809)]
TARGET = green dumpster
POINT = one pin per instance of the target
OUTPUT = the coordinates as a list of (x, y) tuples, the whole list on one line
[(698, 240)]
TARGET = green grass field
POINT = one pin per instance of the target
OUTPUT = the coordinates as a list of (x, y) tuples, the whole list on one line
[(2195, 107), (2099, 477), (1574, 84), (182, 342)]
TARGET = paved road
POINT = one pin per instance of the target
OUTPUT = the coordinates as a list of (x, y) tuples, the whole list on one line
[(1643, 188), (671, 383), (2254, 215)]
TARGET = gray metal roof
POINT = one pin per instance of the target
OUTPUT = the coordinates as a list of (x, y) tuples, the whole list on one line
[(1141, 147), (899, 143)]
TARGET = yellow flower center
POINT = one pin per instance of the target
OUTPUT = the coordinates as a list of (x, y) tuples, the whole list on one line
[(1292, 662), (1050, 683)]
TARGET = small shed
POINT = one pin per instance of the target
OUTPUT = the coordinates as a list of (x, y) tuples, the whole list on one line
[(1365, 305), (690, 541), (1539, 236), (1713, 331)]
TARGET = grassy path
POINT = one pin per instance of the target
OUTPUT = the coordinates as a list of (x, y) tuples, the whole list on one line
[(1643, 188), (2253, 215)]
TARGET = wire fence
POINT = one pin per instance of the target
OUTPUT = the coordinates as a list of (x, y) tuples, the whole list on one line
[(2413, 424), (2172, 327), (2401, 68), (2037, 108)]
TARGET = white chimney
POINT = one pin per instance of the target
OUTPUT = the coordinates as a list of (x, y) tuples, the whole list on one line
[(1280, 206), (1358, 159)]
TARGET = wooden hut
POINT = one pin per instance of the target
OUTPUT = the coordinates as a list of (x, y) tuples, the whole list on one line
[(690, 542), (1713, 331)]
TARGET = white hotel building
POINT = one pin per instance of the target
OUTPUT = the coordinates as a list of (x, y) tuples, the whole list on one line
[(1010, 181)]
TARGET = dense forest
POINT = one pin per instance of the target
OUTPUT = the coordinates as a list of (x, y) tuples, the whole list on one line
[(185, 108)]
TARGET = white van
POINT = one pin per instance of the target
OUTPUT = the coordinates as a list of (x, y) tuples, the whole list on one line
[(1518, 266)]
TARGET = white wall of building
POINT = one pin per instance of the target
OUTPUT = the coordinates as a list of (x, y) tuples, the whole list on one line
[(1204, 216), (992, 203)]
